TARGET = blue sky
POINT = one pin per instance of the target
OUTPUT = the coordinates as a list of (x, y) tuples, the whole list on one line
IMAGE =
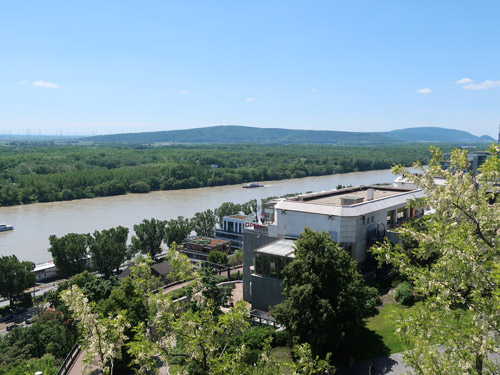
[(99, 67)]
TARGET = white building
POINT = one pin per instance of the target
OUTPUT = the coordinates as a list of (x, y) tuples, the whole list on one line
[(355, 217), (352, 216)]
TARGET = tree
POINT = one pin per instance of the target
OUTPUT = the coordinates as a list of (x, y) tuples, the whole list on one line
[(204, 223), (217, 257), (70, 253), (108, 249), (178, 230), (226, 209), (458, 311), (103, 337), (149, 237), (15, 277), (326, 298)]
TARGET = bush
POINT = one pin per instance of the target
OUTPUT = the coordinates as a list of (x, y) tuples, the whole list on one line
[(281, 338), (254, 337), (404, 293)]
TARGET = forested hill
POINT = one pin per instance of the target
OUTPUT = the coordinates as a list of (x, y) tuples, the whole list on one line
[(246, 134)]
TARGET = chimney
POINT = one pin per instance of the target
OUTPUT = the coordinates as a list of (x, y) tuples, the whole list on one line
[(370, 194)]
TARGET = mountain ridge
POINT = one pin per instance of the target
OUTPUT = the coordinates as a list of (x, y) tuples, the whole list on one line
[(221, 134)]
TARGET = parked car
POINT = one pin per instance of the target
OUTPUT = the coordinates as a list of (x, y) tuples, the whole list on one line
[(19, 310), (7, 317), (27, 321), (12, 326)]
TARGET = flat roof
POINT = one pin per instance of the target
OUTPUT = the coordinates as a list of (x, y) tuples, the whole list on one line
[(329, 202), (280, 248), (211, 241), (334, 197), (237, 216)]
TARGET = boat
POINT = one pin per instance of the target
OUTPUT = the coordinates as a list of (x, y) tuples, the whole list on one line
[(5, 227), (253, 185)]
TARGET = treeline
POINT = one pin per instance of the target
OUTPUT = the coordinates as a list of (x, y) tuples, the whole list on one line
[(46, 172)]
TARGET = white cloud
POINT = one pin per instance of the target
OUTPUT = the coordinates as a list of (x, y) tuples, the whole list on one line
[(184, 92), (249, 99), (424, 91), (482, 86), (463, 81), (314, 90), (21, 83), (46, 84)]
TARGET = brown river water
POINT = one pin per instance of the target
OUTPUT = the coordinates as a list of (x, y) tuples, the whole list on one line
[(34, 223)]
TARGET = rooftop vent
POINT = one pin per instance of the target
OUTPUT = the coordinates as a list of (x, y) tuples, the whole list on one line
[(348, 201), (370, 194)]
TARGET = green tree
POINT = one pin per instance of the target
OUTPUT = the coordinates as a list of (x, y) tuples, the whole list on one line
[(178, 230), (217, 257), (149, 237), (204, 223), (108, 250), (70, 253), (326, 298), (462, 238), (15, 277), (226, 209)]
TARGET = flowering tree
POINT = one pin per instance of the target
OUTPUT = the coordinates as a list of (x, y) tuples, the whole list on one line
[(102, 338), (462, 240)]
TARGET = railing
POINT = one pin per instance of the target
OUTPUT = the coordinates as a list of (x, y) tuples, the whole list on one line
[(69, 360)]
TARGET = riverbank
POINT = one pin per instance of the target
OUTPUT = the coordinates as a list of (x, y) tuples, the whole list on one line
[(34, 223)]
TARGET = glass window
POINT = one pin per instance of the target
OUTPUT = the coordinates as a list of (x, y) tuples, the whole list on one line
[(265, 268), (281, 265), (273, 267), (258, 264)]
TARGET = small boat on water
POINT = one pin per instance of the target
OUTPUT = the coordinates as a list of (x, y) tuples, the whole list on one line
[(5, 227), (253, 185)]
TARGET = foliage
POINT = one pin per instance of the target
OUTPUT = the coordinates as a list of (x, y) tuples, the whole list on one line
[(15, 277), (204, 223), (237, 258), (462, 236), (227, 209), (178, 230), (205, 289), (47, 365), (200, 338), (404, 293), (69, 253), (103, 338), (49, 334), (218, 257), (149, 237), (108, 250), (45, 172), (326, 298)]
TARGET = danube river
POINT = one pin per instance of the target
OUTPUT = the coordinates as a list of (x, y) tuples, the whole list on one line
[(34, 223)]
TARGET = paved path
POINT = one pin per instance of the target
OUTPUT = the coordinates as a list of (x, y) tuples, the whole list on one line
[(390, 365)]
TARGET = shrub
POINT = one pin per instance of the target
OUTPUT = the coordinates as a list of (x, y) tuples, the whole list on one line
[(404, 293)]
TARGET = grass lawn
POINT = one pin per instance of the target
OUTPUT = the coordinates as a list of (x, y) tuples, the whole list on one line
[(383, 325)]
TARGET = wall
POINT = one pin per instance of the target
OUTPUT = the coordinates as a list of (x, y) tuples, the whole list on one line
[(266, 292), (252, 239)]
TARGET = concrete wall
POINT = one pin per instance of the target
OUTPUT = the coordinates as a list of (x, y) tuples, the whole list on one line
[(292, 223), (266, 292), (252, 239)]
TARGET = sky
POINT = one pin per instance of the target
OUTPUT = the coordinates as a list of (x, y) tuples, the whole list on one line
[(100, 67)]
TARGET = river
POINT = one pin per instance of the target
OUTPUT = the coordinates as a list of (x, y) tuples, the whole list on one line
[(34, 223)]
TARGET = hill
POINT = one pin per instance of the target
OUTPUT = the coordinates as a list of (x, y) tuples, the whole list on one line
[(246, 134)]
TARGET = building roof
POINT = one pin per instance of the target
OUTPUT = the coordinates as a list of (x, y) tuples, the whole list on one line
[(44, 266), (280, 248), (205, 241), (329, 203), (239, 217)]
